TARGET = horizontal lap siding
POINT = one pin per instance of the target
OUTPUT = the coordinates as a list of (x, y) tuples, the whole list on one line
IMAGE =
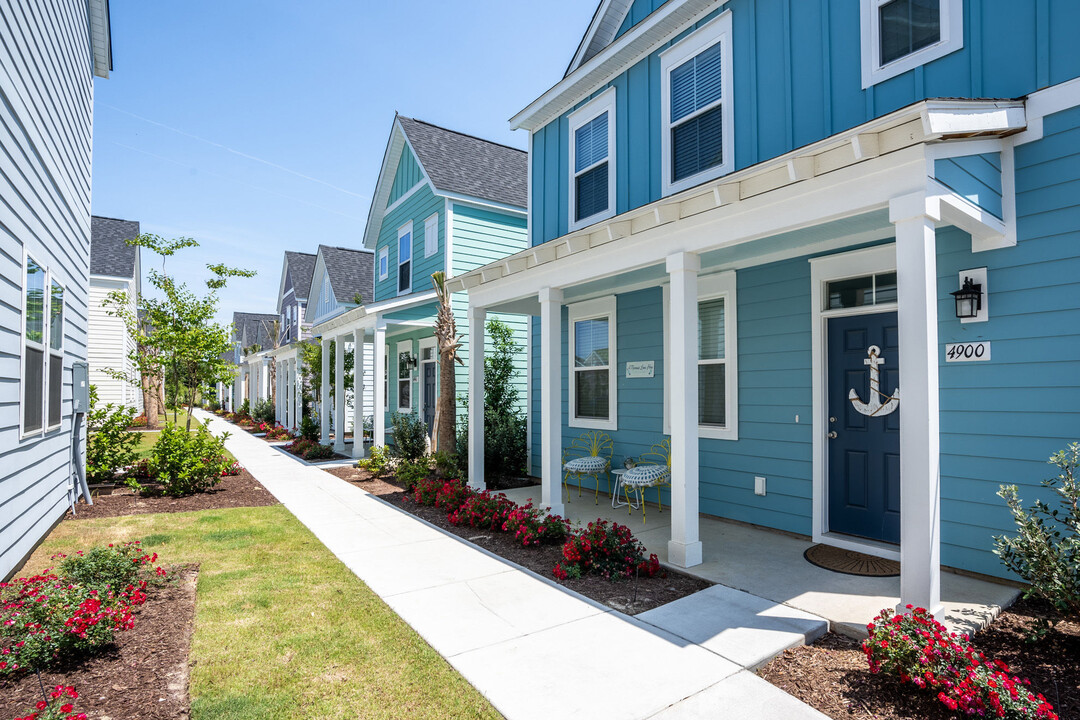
[(797, 80), (1002, 419), (975, 177), (45, 137), (109, 346), (419, 206)]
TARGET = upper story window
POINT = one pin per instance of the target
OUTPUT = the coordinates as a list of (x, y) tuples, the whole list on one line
[(431, 235), (899, 35), (384, 263), (696, 107), (404, 258), (592, 161)]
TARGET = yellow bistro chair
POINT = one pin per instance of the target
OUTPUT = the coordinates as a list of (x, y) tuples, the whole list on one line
[(653, 471), (588, 455)]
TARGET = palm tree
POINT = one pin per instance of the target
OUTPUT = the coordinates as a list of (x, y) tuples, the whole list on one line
[(444, 432)]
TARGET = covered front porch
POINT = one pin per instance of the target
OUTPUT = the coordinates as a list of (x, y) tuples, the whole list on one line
[(766, 259)]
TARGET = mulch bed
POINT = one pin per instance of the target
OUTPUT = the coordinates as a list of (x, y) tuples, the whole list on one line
[(630, 596), (241, 490), (832, 675), (144, 676)]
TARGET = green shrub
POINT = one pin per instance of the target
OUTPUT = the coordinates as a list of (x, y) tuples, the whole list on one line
[(410, 473), (186, 463), (107, 566), (446, 464), (309, 428), (109, 446), (1046, 551), (263, 412), (377, 462), (245, 408), (410, 436)]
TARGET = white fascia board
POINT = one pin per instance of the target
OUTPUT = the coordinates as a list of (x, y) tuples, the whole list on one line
[(1054, 99), (100, 37), (950, 118), (401, 303), (481, 203), (281, 283), (399, 140), (667, 22), (110, 278)]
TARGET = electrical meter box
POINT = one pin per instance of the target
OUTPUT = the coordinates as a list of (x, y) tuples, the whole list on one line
[(80, 387)]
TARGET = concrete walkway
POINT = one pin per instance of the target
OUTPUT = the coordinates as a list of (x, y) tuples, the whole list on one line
[(533, 648)]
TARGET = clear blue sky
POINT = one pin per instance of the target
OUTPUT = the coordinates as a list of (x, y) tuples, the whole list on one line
[(257, 127)]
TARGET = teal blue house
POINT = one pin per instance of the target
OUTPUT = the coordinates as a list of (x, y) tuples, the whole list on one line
[(444, 201), (829, 249)]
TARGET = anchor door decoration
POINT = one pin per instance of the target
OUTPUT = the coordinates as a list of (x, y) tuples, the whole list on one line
[(864, 426)]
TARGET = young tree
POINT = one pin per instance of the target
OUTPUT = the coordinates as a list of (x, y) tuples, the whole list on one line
[(449, 341), (176, 332)]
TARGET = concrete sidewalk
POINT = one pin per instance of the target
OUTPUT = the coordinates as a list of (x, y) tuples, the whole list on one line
[(533, 648)]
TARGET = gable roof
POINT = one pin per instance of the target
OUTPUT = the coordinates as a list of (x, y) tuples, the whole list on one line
[(454, 163), (254, 329), (350, 271), (301, 266), (109, 253), (606, 22)]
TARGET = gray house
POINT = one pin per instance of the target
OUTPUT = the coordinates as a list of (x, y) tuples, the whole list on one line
[(50, 60), (114, 266), (253, 336), (293, 293)]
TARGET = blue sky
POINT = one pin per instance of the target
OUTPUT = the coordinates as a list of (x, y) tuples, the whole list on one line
[(257, 127)]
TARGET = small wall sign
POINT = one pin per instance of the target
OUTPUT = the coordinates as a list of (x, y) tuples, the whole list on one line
[(640, 369), (967, 352)]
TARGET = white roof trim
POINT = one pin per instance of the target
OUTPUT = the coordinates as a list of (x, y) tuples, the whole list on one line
[(391, 158), (652, 32), (100, 37), (606, 22)]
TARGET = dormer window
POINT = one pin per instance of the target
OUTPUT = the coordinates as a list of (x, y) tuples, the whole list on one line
[(899, 35), (696, 107), (592, 161)]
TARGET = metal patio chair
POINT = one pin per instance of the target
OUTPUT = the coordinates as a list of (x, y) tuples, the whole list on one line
[(588, 455), (654, 470)]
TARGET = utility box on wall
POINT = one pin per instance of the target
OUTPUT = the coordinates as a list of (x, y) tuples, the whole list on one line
[(80, 387)]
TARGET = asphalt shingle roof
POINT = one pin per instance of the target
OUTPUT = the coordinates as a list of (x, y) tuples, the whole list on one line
[(254, 329), (351, 272), (464, 164), (301, 268), (109, 253)]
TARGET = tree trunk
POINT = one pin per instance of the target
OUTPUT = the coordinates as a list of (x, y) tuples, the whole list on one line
[(149, 404), (447, 410)]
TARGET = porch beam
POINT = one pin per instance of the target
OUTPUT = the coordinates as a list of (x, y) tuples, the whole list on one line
[(920, 479), (359, 383), (551, 400), (324, 393), (339, 395), (684, 548), (477, 318), (379, 425)]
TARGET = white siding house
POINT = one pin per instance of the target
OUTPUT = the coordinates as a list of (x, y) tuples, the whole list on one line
[(50, 51), (114, 266)]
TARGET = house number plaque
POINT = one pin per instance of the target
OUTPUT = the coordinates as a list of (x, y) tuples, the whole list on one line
[(967, 352), (640, 369)]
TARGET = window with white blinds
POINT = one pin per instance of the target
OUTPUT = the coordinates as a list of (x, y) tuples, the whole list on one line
[(592, 174), (593, 363)]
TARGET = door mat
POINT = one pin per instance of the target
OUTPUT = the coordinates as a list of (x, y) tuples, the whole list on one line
[(850, 562)]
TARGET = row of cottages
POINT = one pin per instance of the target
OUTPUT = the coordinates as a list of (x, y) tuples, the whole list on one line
[(115, 267), (51, 51), (748, 225)]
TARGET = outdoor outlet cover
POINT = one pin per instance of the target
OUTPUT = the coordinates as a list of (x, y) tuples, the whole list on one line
[(759, 486)]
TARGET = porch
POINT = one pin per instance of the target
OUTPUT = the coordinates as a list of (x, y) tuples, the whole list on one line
[(770, 564)]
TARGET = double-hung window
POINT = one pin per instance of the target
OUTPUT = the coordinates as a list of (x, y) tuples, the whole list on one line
[(696, 107), (43, 351), (431, 235), (592, 161), (404, 237), (899, 35), (593, 365), (384, 263), (56, 355), (717, 358), (404, 354)]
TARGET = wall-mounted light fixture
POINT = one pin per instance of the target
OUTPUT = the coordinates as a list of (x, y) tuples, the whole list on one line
[(971, 298)]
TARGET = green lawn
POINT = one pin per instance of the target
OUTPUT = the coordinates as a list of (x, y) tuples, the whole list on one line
[(283, 629), (150, 437)]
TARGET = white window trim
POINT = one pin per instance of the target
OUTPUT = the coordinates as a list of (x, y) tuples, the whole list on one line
[(404, 346), (406, 229), (603, 103), (384, 263), (425, 343), (873, 72), (430, 248), (710, 287), (590, 310), (54, 354), (717, 30), (23, 340)]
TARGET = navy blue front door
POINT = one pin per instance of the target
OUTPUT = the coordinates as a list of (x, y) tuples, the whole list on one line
[(864, 427)]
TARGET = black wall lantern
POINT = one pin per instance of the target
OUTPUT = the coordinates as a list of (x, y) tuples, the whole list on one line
[(968, 299), (406, 362)]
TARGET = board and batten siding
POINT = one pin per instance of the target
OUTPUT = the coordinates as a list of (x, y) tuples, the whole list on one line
[(807, 53), (111, 345), (406, 177), (46, 82)]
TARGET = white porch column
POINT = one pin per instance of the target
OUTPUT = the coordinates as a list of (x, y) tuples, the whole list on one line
[(551, 400), (379, 429), (286, 412), (920, 479), (477, 318), (298, 388), (339, 394), (359, 382), (684, 548), (324, 393), (278, 418), (264, 370)]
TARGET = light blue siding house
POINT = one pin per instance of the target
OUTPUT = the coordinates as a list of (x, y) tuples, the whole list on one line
[(765, 207), (443, 201), (51, 50)]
